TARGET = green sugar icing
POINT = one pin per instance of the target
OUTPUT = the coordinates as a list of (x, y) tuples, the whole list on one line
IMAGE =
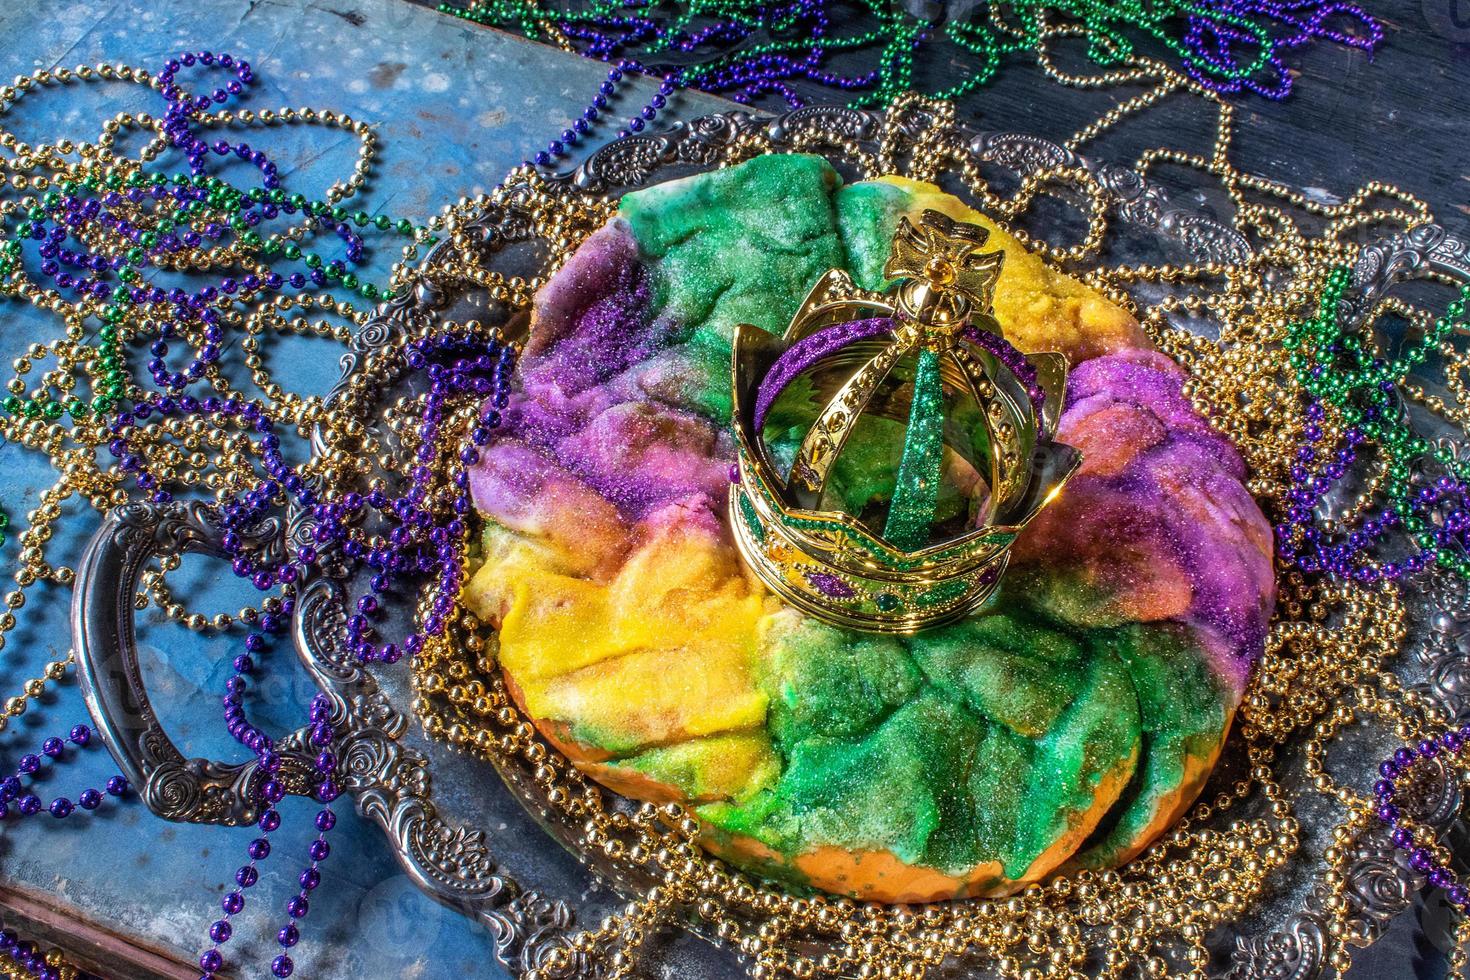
[(960, 746), (1182, 713), (1018, 673), (867, 214), (825, 681), (968, 744), (743, 245)]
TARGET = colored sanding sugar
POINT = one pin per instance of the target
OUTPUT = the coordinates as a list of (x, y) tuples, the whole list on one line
[(1068, 723)]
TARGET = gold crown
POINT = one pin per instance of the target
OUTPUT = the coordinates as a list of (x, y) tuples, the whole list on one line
[(929, 354)]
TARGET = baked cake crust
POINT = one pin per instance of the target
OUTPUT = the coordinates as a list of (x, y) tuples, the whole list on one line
[(1067, 725)]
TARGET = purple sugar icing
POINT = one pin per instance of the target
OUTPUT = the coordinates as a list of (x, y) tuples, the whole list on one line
[(592, 321), (801, 355), (643, 456), (1177, 508), (1146, 379), (602, 382), (1143, 377)]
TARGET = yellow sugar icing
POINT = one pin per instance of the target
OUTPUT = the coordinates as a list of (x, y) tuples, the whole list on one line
[(615, 658)]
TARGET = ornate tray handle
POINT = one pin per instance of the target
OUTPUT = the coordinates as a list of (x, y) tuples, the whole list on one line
[(173, 786), (388, 782)]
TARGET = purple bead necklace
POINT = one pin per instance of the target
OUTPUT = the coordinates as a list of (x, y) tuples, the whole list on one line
[(25, 804), (562, 145), (270, 792), (1392, 772), (183, 108), (458, 363)]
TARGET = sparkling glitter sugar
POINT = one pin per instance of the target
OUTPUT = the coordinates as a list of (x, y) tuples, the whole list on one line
[(1325, 667), (84, 225)]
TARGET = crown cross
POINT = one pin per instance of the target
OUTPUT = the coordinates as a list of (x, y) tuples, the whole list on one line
[(943, 273)]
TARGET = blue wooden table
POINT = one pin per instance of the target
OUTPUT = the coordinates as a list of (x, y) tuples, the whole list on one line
[(456, 107)]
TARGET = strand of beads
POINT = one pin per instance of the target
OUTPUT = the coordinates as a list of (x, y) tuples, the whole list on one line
[(748, 48), (297, 907), (244, 664), (268, 792), (1337, 369), (483, 377), (1393, 773), (221, 930), (182, 109), (212, 960), (12, 788), (1212, 43), (562, 145)]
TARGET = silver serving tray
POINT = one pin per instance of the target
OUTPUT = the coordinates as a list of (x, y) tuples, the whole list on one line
[(482, 845)]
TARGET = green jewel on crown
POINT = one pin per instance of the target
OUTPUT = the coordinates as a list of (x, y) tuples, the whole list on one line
[(928, 353)]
